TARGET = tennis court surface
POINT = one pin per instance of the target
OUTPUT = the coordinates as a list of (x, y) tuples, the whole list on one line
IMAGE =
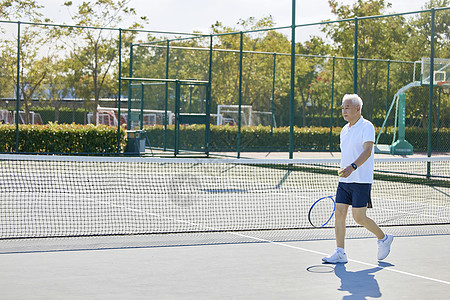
[(139, 228)]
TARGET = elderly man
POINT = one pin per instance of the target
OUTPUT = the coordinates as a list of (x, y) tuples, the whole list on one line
[(356, 177)]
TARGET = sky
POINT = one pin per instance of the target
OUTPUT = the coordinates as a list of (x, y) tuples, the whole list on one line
[(190, 15)]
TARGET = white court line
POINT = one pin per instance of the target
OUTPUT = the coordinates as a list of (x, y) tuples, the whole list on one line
[(401, 272), (276, 243), (352, 260)]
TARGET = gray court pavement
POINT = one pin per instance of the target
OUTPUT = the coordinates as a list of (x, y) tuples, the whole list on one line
[(417, 268)]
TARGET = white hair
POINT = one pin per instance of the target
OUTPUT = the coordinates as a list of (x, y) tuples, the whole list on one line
[(356, 100)]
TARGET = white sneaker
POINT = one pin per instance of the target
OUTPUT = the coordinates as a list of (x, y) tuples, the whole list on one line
[(336, 257), (384, 247)]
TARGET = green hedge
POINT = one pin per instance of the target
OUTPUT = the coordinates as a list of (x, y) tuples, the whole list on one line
[(73, 138), (61, 138), (259, 138), (66, 114), (418, 137), (256, 138)]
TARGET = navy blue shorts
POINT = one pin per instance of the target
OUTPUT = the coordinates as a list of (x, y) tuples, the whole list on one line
[(354, 194)]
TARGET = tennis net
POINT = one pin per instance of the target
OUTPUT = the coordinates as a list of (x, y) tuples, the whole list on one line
[(57, 196)]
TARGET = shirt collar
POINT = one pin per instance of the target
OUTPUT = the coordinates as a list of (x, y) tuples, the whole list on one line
[(358, 123)]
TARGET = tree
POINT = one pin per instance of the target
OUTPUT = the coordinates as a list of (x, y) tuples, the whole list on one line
[(307, 71), (95, 51), (12, 9), (33, 67), (257, 68), (378, 38), (417, 46), (20, 10), (185, 63)]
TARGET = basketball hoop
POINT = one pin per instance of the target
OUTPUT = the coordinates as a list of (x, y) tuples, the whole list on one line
[(445, 85), (441, 71)]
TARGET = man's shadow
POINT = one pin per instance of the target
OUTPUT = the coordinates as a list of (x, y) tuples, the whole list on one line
[(360, 284)]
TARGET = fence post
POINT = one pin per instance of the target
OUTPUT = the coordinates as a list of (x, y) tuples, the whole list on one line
[(208, 99), (177, 117), (387, 93), (240, 94), (332, 105), (18, 88), (291, 101), (141, 121), (355, 61), (438, 121), (166, 100), (120, 90), (272, 120), (130, 91), (430, 104)]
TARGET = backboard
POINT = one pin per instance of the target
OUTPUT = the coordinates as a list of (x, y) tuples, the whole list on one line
[(441, 70)]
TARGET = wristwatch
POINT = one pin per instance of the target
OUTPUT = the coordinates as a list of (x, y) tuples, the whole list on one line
[(354, 166)]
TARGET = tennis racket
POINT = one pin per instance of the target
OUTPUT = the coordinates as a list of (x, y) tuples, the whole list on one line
[(322, 211)]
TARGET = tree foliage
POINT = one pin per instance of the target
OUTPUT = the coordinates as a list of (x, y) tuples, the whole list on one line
[(33, 67), (87, 62), (94, 51), (20, 10)]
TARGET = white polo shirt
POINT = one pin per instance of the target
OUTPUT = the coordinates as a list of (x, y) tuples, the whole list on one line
[(352, 140)]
